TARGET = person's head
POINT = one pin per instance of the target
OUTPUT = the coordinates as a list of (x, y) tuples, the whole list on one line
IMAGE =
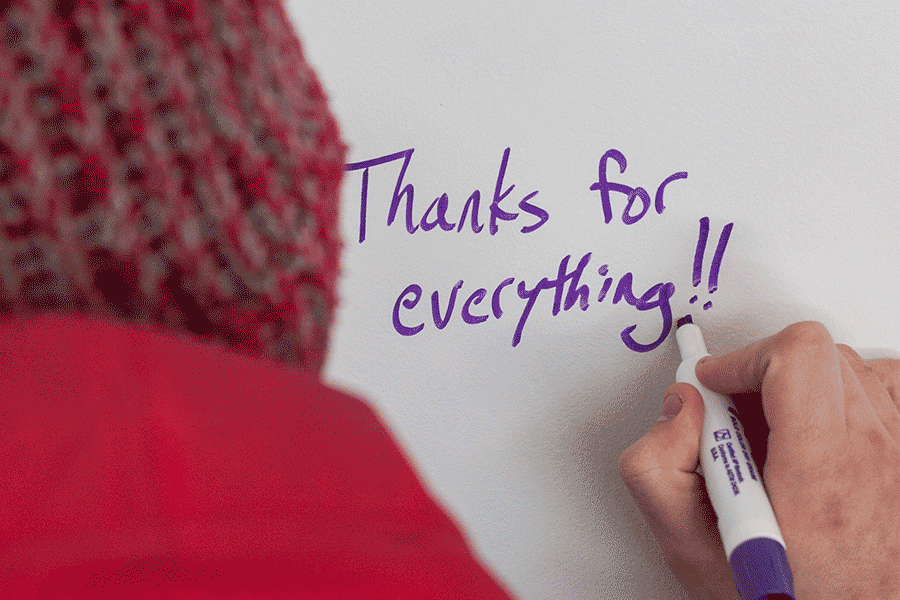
[(171, 163)]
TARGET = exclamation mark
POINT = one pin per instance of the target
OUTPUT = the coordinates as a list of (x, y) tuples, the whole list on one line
[(716, 261)]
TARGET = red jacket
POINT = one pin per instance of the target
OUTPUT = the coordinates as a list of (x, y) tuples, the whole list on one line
[(137, 464)]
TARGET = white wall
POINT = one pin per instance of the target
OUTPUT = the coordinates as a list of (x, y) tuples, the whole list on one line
[(784, 116)]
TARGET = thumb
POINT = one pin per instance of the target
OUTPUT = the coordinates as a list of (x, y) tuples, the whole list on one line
[(659, 470), (671, 448)]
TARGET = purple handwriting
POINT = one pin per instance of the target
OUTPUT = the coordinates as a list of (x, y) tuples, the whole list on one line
[(606, 187), (716, 261), (567, 286), (564, 298), (436, 214)]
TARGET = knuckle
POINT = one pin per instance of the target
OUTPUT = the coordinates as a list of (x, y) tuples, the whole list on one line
[(802, 338), (626, 463), (631, 462), (888, 370), (849, 352), (638, 460), (862, 370), (892, 367)]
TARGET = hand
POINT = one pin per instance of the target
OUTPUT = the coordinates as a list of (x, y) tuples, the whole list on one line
[(831, 469)]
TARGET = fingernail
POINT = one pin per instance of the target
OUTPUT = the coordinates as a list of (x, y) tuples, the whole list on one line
[(671, 407), (705, 360)]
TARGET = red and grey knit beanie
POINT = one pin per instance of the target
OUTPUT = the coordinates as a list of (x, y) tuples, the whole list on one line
[(171, 163)]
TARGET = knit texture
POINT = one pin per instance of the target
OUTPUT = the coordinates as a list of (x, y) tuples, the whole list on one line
[(171, 163)]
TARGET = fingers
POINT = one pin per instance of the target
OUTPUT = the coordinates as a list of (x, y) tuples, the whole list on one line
[(659, 467), (659, 472), (888, 371), (867, 395), (798, 373), (668, 448)]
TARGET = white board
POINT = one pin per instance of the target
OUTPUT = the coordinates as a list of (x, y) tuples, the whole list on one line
[(784, 118)]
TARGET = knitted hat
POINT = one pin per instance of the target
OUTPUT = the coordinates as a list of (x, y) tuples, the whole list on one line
[(171, 163)]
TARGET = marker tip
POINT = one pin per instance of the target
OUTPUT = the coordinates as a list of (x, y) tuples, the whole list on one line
[(685, 319)]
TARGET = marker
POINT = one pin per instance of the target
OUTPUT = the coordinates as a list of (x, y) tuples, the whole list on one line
[(753, 542)]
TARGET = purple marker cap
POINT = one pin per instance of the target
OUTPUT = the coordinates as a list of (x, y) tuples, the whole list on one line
[(761, 570)]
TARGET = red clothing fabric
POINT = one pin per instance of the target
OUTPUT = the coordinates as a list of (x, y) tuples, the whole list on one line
[(137, 463)]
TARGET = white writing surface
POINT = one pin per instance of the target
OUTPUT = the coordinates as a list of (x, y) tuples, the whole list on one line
[(536, 192)]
